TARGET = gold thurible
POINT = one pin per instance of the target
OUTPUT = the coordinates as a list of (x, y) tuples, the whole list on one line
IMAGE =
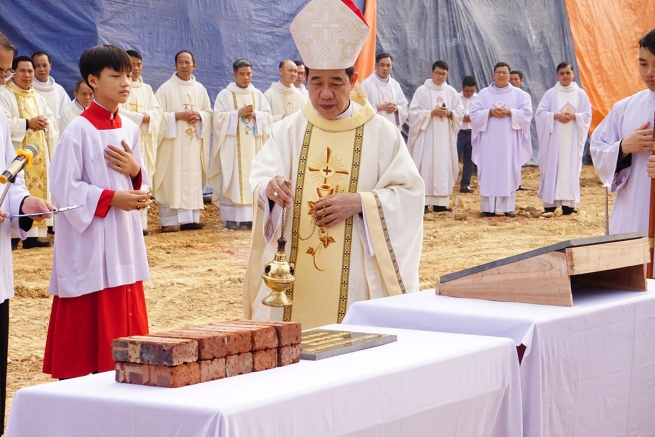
[(278, 276)]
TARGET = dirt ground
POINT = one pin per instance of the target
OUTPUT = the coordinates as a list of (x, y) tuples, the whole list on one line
[(197, 276)]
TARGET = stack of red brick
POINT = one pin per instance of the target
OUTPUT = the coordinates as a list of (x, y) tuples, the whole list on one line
[(206, 353)]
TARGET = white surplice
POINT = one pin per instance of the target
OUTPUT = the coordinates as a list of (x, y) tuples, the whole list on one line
[(182, 151), (384, 91), (11, 205), (500, 145), (70, 112), (100, 252), (54, 94), (631, 185), (432, 141), (561, 144), (283, 100), (236, 142), (18, 130)]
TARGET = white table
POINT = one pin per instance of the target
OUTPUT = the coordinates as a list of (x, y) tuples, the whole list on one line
[(425, 384), (588, 370)]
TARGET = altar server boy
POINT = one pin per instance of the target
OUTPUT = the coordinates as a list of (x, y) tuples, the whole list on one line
[(99, 257)]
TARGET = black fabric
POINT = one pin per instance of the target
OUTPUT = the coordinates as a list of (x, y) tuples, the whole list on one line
[(623, 162), (464, 150), (4, 346), (25, 223)]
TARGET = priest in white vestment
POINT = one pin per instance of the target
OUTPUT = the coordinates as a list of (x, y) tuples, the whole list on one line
[(563, 118), (500, 136), (183, 147), (283, 96), (242, 119), (44, 84), (621, 148), (384, 93), (435, 117), (143, 109), (300, 81), (31, 121), (351, 195), (83, 97)]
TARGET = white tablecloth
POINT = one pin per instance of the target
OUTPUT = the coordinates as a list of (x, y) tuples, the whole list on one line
[(588, 370), (425, 384)]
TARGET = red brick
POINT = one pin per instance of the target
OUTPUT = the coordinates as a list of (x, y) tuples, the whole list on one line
[(238, 340), (178, 376), (154, 350), (264, 359), (159, 376), (210, 344), (211, 370), (130, 373), (288, 355), (238, 364), (263, 337), (288, 332)]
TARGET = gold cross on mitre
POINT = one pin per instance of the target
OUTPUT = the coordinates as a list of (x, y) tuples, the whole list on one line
[(322, 28)]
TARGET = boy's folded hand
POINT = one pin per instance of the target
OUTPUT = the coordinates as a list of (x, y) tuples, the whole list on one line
[(129, 200)]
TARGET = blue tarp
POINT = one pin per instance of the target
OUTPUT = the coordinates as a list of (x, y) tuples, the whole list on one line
[(471, 35)]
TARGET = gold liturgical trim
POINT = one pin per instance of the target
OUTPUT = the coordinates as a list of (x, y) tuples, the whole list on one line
[(379, 231), (352, 188), (324, 343), (236, 107)]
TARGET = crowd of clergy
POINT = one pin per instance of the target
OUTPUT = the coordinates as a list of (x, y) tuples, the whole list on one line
[(489, 130)]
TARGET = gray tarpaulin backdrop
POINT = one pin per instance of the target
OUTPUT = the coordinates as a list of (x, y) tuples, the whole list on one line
[(471, 35)]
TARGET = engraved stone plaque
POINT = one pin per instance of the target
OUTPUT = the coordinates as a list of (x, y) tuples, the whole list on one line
[(324, 343)]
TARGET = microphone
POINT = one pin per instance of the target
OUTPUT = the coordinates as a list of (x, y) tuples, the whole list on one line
[(24, 159)]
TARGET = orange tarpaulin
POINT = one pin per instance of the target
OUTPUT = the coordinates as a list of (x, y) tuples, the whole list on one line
[(606, 37), (365, 64)]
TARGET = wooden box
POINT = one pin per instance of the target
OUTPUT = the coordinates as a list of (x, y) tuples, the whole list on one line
[(547, 275)]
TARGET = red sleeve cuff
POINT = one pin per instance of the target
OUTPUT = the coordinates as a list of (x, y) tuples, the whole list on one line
[(104, 203), (136, 181)]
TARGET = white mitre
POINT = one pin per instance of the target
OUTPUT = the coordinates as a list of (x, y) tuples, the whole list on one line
[(329, 34)]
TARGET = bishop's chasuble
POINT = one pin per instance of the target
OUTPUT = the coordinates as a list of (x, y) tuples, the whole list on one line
[(432, 141), (183, 149), (371, 255), (284, 101), (236, 142)]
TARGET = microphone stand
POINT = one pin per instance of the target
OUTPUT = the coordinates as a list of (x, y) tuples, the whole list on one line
[(10, 182)]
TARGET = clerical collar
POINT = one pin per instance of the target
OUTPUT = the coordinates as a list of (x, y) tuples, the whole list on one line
[(380, 79), (571, 87), (345, 114), (48, 85), (101, 118), (284, 86)]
